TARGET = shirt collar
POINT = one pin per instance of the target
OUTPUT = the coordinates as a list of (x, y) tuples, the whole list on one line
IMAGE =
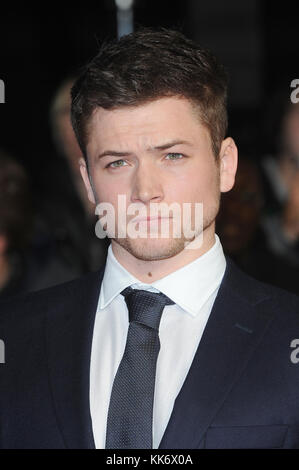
[(189, 287)]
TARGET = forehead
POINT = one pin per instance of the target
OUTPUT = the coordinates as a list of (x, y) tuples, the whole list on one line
[(170, 117)]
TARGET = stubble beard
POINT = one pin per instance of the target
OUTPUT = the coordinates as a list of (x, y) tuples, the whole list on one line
[(154, 249)]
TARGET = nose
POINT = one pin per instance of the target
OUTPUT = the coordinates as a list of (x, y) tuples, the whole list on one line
[(147, 185)]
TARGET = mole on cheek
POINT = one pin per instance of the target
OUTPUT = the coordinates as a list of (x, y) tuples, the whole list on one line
[(149, 274)]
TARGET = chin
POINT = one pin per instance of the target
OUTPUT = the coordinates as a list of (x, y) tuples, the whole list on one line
[(152, 249)]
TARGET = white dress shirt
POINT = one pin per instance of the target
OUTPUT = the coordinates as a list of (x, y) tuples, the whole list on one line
[(193, 288)]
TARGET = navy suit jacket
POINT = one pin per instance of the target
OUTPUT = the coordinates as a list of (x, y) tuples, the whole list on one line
[(242, 390)]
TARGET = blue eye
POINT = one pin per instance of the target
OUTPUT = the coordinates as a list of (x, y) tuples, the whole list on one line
[(112, 163), (116, 164), (175, 155)]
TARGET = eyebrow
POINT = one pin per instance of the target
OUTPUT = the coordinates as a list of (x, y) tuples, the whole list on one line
[(115, 153)]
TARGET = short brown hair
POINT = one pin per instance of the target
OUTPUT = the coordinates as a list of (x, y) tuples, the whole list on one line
[(147, 65)]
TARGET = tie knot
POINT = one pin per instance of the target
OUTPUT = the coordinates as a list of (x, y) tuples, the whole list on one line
[(145, 307)]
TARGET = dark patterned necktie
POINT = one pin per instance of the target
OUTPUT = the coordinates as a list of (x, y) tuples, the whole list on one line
[(130, 414)]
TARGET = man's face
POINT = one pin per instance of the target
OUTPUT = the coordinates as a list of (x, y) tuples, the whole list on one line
[(158, 152)]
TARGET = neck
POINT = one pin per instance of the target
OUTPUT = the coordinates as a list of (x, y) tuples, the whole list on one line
[(151, 271)]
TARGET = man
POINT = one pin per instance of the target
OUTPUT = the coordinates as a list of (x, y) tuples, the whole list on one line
[(169, 346), (15, 228), (280, 170)]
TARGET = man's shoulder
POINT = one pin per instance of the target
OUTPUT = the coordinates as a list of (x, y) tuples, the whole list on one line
[(34, 304)]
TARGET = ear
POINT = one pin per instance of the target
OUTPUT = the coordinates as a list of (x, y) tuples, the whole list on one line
[(85, 177), (228, 164)]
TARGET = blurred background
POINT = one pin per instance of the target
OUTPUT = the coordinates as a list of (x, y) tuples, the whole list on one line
[(46, 222)]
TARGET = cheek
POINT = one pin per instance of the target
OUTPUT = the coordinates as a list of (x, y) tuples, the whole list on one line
[(108, 191), (198, 185)]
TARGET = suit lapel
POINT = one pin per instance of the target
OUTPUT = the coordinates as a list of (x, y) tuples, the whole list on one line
[(235, 327), (69, 331)]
